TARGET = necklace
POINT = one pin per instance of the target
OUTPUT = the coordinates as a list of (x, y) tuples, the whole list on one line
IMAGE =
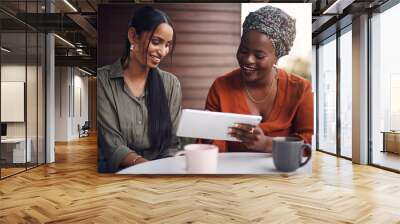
[(267, 94)]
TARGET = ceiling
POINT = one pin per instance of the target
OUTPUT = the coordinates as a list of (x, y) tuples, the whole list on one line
[(76, 21)]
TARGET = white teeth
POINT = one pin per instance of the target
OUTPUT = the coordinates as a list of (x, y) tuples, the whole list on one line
[(249, 68), (156, 59)]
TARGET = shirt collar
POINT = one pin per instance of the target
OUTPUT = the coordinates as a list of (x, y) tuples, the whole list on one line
[(116, 70)]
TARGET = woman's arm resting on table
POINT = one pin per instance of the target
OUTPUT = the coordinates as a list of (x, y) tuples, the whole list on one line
[(112, 146)]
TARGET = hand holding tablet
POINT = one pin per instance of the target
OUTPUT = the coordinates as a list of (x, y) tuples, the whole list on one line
[(252, 137), (213, 125)]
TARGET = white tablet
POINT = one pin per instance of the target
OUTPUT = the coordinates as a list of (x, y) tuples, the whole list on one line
[(211, 125)]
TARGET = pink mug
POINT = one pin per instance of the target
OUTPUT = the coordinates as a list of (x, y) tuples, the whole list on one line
[(200, 158)]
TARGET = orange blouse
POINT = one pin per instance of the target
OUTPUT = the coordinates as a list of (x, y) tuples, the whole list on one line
[(291, 115)]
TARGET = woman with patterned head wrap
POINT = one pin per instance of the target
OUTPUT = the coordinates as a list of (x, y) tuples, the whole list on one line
[(258, 87)]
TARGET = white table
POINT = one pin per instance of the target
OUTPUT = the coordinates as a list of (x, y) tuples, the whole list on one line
[(16, 148), (228, 163)]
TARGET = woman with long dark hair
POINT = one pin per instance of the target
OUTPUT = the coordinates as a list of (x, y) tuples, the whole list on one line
[(138, 104)]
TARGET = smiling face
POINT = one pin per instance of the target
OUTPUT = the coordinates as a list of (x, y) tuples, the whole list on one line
[(256, 57), (152, 50)]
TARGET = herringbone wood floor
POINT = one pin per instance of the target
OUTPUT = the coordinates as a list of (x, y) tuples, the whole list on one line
[(71, 191)]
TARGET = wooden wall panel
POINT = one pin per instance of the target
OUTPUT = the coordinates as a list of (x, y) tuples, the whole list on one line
[(198, 15), (205, 27), (208, 36), (204, 50)]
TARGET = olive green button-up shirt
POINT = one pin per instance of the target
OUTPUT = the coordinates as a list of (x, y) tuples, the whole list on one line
[(122, 118)]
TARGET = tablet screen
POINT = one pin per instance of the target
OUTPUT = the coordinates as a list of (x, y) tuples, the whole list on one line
[(211, 125)]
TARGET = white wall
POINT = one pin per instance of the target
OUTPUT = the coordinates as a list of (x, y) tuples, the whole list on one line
[(80, 88), (34, 124), (12, 73), (61, 103), (70, 83)]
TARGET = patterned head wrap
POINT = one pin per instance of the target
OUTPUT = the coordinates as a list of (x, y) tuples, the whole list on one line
[(279, 27)]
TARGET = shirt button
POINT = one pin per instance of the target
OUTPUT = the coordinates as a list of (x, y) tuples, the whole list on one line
[(139, 122)]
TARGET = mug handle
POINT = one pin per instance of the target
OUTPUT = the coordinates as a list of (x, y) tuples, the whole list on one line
[(306, 147), (180, 153)]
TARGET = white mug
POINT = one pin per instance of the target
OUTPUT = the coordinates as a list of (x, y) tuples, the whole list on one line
[(200, 158)]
